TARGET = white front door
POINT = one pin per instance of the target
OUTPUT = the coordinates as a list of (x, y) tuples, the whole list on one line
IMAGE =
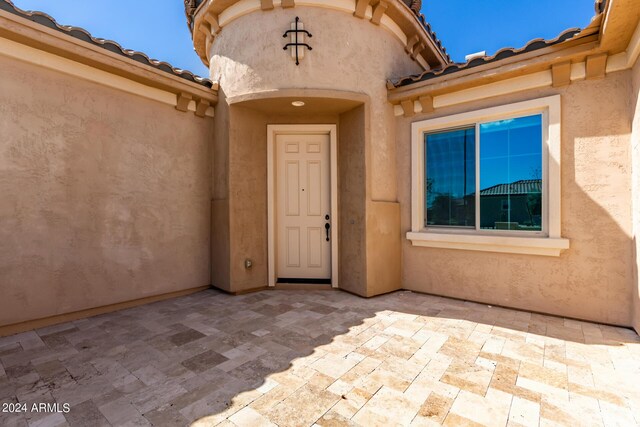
[(303, 206)]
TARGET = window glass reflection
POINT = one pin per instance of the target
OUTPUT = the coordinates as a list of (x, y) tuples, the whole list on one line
[(511, 174), (450, 181)]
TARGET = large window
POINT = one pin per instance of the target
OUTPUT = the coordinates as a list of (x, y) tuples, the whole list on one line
[(489, 180), (501, 161)]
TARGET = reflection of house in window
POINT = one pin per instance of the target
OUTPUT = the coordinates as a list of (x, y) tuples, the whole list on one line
[(512, 206)]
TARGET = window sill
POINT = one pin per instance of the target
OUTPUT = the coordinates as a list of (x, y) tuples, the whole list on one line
[(545, 246)]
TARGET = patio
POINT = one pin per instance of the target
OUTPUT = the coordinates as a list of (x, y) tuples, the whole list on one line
[(294, 358)]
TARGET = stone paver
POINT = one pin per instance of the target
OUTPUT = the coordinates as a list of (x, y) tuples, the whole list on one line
[(295, 358)]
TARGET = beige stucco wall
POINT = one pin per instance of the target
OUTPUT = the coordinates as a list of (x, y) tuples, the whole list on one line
[(105, 195), (248, 203), (350, 55), (383, 238), (593, 279), (220, 215), (635, 164), (352, 200)]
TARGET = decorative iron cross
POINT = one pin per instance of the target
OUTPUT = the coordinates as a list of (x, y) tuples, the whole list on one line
[(297, 41)]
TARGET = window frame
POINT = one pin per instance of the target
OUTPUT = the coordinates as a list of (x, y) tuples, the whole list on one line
[(538, 242)]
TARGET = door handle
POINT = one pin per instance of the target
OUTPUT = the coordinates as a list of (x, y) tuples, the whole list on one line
[(327, 226)]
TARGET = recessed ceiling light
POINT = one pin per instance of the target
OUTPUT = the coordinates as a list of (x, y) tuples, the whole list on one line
[(298, 103)]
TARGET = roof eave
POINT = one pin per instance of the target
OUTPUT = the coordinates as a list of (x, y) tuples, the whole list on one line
[(203, 34), (505, 56), (575, 50), (38, 36), (619, 20)]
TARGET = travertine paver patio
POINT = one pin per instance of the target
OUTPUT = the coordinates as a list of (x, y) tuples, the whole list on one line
[(305, 357)]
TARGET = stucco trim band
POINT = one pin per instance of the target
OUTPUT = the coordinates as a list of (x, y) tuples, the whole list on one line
[(541, 79), (300, 93), (29, 325), (48, 60)]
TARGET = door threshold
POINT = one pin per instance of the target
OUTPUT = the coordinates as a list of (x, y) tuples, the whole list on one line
[(304, 281), (303, 286)]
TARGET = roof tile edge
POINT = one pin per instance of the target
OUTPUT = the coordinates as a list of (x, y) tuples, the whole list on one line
[(507, 52), (191, 7), (499, 55), (110, 45)]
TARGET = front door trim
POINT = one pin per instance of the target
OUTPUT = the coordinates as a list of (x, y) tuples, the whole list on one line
[(272, 132)]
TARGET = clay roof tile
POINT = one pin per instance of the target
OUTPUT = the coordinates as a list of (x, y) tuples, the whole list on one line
[(477, 61)]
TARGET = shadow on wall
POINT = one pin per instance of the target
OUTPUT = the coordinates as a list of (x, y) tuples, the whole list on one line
[(635, 187), (203, 357)]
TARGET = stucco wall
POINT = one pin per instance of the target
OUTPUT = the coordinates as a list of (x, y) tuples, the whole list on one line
[(592, 280), (248, 201), (383, 239), (352, 201), (105, 195), (220, 226), (635, 185)]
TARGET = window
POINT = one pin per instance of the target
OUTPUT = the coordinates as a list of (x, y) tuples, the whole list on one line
[(489, 180), (509, 166)]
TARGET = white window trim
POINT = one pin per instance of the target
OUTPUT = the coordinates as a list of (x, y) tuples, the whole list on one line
[(549, 242)]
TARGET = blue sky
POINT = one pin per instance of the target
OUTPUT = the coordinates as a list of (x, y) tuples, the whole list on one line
[(158, 28)]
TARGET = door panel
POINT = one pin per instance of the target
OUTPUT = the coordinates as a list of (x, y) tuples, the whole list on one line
[(292, 246), (314, 188), (292, 194), (303, 199), (314, 246)]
